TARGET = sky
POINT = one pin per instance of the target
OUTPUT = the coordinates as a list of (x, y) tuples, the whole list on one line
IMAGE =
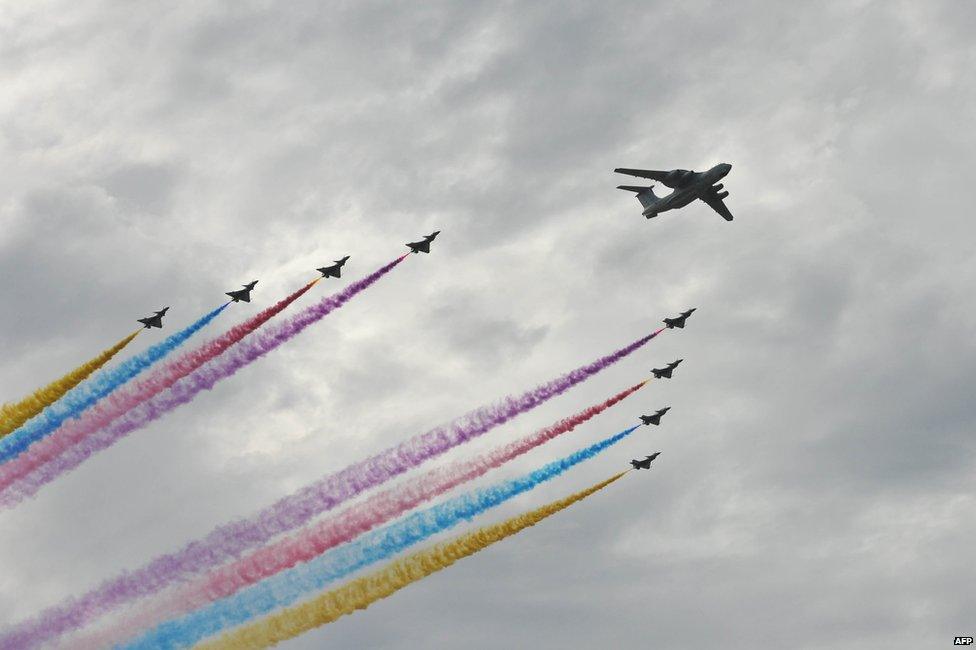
[(818, 461)]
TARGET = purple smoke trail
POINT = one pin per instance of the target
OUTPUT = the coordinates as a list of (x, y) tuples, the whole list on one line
[(187, 388), (227, 542)]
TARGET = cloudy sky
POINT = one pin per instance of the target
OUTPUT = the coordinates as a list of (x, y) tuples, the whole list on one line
[(817, 484)]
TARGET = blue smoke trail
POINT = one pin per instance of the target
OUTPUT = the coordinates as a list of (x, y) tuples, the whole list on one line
[(293, 584), (85, 395)]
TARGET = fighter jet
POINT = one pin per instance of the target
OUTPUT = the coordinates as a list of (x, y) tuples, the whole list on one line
[(243, 294), (656, 418), (334, 271), (156, 320), (687, 185), (423, 246), (646, 463), (679, 321), (667, 370)]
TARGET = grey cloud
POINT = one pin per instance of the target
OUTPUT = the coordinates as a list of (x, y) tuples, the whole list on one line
[(816, 481), (143, 187)]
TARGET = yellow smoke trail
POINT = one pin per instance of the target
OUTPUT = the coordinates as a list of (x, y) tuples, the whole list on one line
[(14, 415), (363, 592)]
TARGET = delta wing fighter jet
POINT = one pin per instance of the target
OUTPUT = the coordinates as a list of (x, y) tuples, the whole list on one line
[(334, 271), (679, 321), (687, 185), (646, 463), (423, 246), (243, 295), (156, 320), (656, 418), (666, 371)]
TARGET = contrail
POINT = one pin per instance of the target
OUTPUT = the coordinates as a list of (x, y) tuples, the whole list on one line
[(128, 397), (229, 541), (14, 415), (69, 453), (325, 534), (104, 383), (287, 587), (364, 591)]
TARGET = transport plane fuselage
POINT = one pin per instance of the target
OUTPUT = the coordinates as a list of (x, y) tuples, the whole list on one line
[(688, 186)]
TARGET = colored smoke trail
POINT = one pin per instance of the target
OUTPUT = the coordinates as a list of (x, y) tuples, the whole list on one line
[(333, 531), (289, 586), (13, 416), (126, 398), (364, 591), (104, 383), (227, 542), (184, 390)]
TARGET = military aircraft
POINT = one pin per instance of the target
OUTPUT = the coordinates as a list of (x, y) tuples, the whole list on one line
[(667, 370), (423, 246), (656, 418), (687, 185), (334, 271), (156, 320), (679, 321), (646, 463), (243, 294)]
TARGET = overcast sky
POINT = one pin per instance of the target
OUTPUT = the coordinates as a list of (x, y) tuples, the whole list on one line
[(817, 485)]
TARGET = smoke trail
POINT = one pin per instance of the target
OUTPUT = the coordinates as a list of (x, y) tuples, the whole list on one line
[(293, 584), (82, 397), (364, 591), (125, 399), (227, 542), (325, 534), (14, 415), (78, 449)]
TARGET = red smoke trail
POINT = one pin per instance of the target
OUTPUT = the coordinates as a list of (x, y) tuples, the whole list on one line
[(314, 540), (229, 541), (75, 452), (126, 398)]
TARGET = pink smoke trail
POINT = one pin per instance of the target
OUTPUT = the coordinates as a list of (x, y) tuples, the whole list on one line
[(77, 449), (229, 541), (128, 397), (328, 533)]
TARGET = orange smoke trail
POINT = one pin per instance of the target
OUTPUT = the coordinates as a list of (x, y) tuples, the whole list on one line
[(364, 591), (14, 415)]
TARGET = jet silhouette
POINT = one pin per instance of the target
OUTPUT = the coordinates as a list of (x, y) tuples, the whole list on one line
[(156, 320), (334, 271), (646, 463), (423, 246), (679, 321), (243, 294), (667, 370), (656, 418)]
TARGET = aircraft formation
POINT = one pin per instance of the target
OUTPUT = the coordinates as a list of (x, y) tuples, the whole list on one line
[(661, 373), (332, 271), (38, 451), (687, 186), (692, 184)]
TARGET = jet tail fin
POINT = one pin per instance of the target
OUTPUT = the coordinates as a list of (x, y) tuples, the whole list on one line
[(645, 195)]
